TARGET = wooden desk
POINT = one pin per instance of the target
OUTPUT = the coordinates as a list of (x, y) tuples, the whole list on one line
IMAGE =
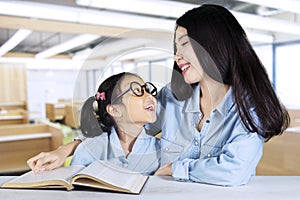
[(72, 115), (295, 117), (55, 111), (13, 117), (20, 142), (163, 188), (281, 155), (13, 105)]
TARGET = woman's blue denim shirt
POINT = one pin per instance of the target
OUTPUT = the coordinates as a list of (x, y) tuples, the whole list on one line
[(224, 152), (144, 157)]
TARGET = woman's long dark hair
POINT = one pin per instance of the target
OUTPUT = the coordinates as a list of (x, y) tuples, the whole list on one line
[(94, 122), (217, 31)]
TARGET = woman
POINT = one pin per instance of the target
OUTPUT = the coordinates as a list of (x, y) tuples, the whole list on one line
[(220, 106)]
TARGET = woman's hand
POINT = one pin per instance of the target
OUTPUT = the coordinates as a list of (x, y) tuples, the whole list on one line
[(165, 170)]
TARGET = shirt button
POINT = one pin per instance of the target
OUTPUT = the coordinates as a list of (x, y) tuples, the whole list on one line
[(207, 121), (196, 143), (209, 155), (167, 149)]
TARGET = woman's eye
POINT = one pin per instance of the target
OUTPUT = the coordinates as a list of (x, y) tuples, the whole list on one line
[(184, 43)]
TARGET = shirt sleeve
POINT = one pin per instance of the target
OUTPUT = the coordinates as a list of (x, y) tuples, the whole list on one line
[(234, 166), (82, 156), (79, 137)]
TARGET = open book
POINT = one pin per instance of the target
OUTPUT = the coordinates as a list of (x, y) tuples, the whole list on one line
[(99, 174)]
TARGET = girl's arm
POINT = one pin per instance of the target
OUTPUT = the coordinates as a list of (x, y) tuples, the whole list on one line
[(45, 161)]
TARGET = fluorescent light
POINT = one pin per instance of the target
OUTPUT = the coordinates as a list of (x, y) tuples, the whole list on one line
[(107, 18), (155, 7), (18, 37), (142, 6), (286, 5), (82, 15), (259, 37), (38, 10), (145, 52), (70, 44), (267, 23)]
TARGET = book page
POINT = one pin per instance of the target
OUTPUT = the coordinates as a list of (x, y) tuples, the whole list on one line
[(115, 176), (53, 177)]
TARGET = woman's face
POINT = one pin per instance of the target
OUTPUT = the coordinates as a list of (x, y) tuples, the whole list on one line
[(186, 58), (137, 109)]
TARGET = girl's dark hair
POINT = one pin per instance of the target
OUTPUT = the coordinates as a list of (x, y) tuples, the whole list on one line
[(94, 122), (220, 43)]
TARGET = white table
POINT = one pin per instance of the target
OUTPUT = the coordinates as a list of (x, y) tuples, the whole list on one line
[(260, 187)]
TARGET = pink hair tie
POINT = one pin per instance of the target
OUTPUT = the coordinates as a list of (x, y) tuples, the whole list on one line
[(100, 96)]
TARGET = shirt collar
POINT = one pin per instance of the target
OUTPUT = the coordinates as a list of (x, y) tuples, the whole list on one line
[(138, 146), (192, 104), (227, 103), (115, 143)]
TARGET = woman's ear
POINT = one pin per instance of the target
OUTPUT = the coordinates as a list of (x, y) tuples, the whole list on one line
[(113, 110)]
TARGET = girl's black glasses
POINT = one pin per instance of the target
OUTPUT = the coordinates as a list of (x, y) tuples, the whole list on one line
[(139, 90)]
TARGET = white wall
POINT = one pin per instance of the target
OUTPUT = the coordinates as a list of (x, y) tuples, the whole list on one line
[(288, 74), (50, 81)]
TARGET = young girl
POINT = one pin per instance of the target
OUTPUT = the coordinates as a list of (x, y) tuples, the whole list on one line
[(125, 105)]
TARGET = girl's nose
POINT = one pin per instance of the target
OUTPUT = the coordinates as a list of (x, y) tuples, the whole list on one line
[(148, 95)]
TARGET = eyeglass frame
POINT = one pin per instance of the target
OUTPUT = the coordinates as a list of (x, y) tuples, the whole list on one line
[(143, 89)]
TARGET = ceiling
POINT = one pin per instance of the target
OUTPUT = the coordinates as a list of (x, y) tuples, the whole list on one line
[(47, 33)]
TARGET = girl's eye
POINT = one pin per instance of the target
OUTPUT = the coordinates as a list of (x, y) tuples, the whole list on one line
[(137, 91), (147, 89)]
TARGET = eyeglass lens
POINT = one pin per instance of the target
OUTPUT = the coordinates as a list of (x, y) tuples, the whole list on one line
[(138, 89)]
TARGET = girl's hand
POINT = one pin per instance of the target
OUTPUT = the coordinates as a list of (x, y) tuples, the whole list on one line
[(46, 161), (165, 170)]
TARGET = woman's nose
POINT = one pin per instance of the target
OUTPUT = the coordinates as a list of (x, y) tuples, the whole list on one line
[(177, 57)]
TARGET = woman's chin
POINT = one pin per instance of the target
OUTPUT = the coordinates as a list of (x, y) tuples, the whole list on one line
[(189, 81)]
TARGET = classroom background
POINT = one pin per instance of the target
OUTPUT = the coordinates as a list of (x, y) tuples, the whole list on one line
[(54, 54)]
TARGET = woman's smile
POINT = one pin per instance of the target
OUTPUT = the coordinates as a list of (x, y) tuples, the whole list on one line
[(184, 67)]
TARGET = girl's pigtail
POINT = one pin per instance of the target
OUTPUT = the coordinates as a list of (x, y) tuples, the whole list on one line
[(89, 123)]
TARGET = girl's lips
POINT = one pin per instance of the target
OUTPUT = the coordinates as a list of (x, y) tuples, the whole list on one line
[(150, 107)]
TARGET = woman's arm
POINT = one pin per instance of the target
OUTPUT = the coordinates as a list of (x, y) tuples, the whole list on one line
[(45, 161), (234, 166)]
